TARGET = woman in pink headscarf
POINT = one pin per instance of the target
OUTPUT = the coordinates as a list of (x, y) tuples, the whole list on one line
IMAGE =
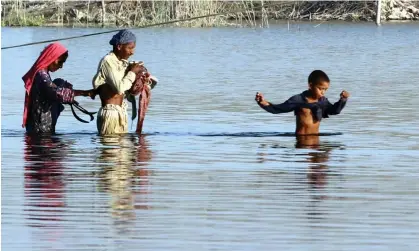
[(44, 98)]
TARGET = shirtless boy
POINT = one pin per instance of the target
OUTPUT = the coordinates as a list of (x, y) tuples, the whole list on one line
[(310, 106)]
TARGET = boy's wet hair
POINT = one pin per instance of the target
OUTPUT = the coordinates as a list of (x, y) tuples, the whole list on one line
[(318, 76)]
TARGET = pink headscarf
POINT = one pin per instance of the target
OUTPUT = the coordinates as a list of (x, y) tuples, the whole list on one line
[(51, 53)]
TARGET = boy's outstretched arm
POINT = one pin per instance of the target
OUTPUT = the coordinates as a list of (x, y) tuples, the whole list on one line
[(337, 107), (287, 106)]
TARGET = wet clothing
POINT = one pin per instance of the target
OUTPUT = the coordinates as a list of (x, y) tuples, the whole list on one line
[(321, 109), (113, 72), (142, 86), (112, 119), (50, 54), (46, 102)]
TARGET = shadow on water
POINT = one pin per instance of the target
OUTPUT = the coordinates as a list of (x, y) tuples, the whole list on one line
[(121, 166)]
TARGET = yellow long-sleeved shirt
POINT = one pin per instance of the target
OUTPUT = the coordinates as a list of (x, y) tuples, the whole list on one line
[(111, 71)]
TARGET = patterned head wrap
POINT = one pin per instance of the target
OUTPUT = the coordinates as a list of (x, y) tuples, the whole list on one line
[(122, 37)]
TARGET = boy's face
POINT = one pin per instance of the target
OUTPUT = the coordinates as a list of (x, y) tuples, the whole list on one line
[(319, 89)]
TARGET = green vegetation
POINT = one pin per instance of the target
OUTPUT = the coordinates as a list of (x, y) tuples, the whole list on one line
[(242, 13)]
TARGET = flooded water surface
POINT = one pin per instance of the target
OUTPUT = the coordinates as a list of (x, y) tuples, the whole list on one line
[(213, 171)]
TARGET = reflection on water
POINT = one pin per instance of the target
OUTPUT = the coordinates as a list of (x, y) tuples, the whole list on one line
[(44, 184), (214, 171), (298, 189), (317, 156), (317, 159), (314, 151), (125, 175)]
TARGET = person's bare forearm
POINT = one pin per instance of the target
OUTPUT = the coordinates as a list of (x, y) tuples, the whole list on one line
[(85, 93)]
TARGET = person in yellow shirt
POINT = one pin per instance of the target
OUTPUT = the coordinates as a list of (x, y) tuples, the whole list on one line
[(115, 76)]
